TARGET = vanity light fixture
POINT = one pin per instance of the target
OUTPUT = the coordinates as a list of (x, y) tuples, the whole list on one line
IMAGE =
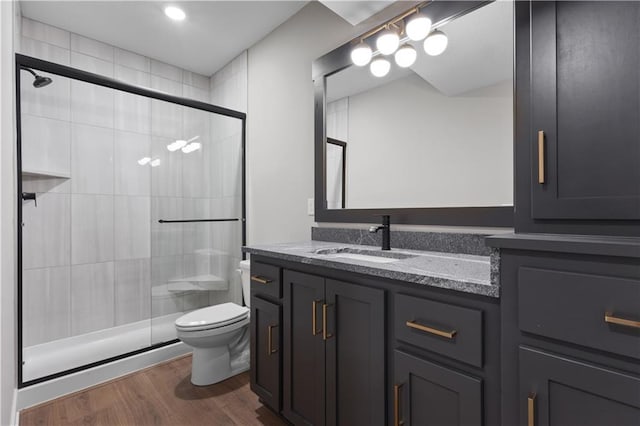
[(436, 43), (144, 160), (175, 13), (410, 26), (380, 67), (155, 163), (406, 56)]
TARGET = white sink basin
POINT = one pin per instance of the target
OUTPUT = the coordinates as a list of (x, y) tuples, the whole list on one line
[(364, 257), (374, 256)]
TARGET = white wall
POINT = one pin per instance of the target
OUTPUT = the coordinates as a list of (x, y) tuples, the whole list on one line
[(8, 376), (408, 145), (280, 120)]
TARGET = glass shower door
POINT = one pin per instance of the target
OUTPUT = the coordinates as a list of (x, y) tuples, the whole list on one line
[(132, 215), (197, 221)]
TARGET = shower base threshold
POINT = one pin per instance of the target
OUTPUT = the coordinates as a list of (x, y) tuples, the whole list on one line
[(65, 354)]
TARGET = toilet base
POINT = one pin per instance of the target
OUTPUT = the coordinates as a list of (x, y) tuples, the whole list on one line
[(213, 365)]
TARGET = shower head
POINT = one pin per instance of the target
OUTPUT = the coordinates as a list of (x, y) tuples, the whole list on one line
[(39, 81)]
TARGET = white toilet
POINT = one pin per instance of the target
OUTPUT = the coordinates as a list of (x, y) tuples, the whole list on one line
[(219, 336)]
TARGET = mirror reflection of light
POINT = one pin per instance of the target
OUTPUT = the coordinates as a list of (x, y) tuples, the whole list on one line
[(155, 163), (144, 160), (181, 144), (174, 146), (193, 146)]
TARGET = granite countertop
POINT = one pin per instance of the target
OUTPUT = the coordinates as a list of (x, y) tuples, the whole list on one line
[(460, 272)]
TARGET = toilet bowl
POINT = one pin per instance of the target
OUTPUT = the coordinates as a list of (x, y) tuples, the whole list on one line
[(219, 336)]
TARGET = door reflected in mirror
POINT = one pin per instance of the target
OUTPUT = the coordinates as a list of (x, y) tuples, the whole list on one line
[(436, 134)]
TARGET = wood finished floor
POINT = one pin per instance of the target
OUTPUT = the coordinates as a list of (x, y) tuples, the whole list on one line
[(160, 395)]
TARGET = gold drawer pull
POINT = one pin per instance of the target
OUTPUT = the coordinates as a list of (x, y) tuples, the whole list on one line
[(609, 318), (260, 280), (325, 334), (541, 156), (447, 334), (314, 326), (270, 350), (531, 408), (396, 405)]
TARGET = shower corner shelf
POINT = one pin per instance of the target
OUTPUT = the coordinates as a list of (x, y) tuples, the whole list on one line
[(44, 174), (197, 283)]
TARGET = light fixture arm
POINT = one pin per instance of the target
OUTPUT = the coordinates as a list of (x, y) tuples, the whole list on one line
[(392, 21)]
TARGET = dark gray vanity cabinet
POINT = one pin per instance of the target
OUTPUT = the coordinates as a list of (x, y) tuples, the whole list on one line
[(570, 330), (585, 104), (266, 334), (304, 352), (559, 391), (441, 361), (426, 394), (334, 351), (265, 351)]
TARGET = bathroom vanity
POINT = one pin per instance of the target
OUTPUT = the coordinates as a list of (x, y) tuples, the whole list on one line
[(350, 334), (548, 334)]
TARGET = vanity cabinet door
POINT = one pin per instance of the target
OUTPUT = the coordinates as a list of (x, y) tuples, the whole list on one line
[(557, 391), (304, 351), (428, 394), (266, 351), (355, 350), (585, 94)]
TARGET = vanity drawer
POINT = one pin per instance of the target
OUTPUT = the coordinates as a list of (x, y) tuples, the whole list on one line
[(265, 280), (450, 330), (597, 311)]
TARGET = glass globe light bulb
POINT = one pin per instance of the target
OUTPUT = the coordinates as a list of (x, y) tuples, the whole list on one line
[(418, 27), (387, 42), (436, 43), (406, 56), (361, 54), (380, 67)]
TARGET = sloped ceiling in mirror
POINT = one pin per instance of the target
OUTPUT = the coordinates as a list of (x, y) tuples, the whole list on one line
[(354, 12), (480, 51)]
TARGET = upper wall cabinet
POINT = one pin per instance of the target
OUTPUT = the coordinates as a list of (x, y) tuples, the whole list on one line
[(585, 110)]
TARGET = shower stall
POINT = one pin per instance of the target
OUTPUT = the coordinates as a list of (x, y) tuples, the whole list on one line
[(131, 212)]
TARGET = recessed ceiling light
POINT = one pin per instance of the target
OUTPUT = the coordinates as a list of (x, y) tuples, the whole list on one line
[(174, 13)]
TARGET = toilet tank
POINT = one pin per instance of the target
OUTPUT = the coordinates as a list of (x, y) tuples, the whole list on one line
[(245, 271)]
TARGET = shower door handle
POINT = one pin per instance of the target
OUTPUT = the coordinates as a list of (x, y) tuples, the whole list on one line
[(30, 196)]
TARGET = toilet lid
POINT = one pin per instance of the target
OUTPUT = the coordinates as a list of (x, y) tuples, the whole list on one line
[(213, 316)]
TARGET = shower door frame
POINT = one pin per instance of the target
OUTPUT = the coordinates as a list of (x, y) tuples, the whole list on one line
[(24, 61)]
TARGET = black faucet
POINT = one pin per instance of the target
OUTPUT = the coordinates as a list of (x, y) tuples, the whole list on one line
[(386, 232)]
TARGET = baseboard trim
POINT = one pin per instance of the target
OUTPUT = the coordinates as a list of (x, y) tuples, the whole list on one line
[(55, 388)]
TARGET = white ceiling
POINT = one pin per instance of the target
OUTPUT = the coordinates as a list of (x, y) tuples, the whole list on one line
[(213, 33), (479, 54)]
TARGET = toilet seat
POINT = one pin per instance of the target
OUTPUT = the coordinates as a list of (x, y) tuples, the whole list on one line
[(217, 316)]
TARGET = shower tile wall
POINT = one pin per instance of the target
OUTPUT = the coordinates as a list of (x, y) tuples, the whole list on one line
[(93, 249)]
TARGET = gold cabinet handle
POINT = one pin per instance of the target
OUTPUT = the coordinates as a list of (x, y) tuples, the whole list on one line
[(325, 334), (447, 334), (541, 156), (609, 318), (396, 405), (270, 350), (260, 280), (531, 409), (314, 325)]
